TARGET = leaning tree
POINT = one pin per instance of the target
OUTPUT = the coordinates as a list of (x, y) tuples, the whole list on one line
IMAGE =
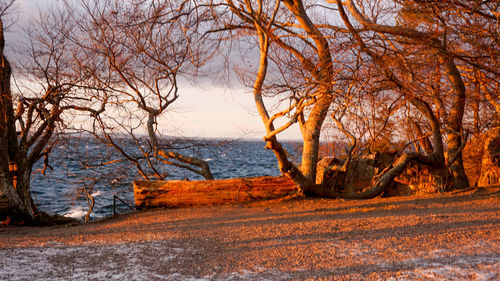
[(300, 45), (303, 61), (422, 59)]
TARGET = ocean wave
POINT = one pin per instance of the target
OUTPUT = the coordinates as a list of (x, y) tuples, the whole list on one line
[(76, 213), (238, 159), (96, 193)]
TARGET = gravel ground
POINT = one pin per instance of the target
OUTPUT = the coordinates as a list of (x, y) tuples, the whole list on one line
[(438, 237)]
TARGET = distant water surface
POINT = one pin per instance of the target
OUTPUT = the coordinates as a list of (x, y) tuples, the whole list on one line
[(59, 191)]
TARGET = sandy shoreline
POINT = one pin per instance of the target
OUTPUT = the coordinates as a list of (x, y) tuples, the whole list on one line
[(445, 237)]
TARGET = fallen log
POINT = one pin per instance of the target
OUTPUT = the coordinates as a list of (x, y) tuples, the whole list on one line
[(180, 193)]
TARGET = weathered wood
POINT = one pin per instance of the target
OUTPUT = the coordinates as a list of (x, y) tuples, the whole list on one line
[(178, 193)]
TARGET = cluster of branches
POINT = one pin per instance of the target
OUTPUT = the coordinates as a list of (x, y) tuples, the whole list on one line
[(105, 69), (386, 70), (380, 72)]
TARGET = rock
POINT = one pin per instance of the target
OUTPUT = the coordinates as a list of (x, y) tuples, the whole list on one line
[(490, 166), (359, 173)]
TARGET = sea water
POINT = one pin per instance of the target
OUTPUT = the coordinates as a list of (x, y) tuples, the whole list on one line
[(78, 163)]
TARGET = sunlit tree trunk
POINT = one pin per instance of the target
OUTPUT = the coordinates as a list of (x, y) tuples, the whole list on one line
[(311, 116), (311, 136), (311, 128), (285, 166), (454, 124), (11, 157)]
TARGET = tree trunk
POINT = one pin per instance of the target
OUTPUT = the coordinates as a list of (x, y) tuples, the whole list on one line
[(322, 73), (286, 167), (15, 186), (20, 203), (455, 123), (310, 156), (24, 189), (457, 167)]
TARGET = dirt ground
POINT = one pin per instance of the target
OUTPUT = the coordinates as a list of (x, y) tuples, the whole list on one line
[(436, 237)]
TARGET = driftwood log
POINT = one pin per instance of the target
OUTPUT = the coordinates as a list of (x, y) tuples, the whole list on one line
[(179, 193)]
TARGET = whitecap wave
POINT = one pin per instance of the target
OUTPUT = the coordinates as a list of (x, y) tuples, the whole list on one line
[(96, 193), (76, 213)]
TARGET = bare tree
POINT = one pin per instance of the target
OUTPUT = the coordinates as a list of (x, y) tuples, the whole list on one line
[(137, 52), (403, 59), (300, 51), (439, 27), (287, 40), (31, 117), (98, 61), (14, 161)]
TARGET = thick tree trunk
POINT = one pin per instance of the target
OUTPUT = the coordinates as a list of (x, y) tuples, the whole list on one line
[(15, 186), (322, 72), (23, 188), (454, 124), (310, 156), (286, 167), (457, 167), (18, 194), (20, 203)]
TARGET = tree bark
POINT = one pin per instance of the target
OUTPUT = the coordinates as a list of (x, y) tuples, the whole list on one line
[(304, 176), (19, 196), (454, 124), (286, 167), (311, 129), (311, 137)]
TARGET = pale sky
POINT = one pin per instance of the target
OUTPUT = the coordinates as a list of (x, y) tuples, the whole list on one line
[(199, 112)]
